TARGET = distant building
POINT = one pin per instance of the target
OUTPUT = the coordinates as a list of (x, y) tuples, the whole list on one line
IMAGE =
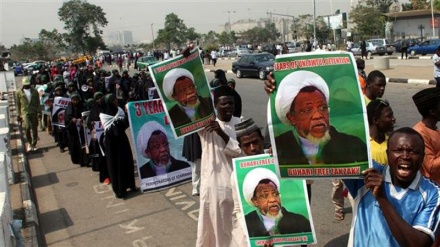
[(414, 24), (282, 25), (120, 38)]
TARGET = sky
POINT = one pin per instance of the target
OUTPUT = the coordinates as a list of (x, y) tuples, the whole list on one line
[(26, 18)]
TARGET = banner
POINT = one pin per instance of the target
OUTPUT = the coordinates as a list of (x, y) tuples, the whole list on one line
[(275, 211), (44, 97), (317, 116), (158, 154), (95, 139), (59, 107), (182, 85)]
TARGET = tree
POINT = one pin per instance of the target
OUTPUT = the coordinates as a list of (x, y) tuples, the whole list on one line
[(52, 44), (209, 38), (192, 35), (82, 21), (175, 32), (381, 5), (362, 16), (420, 4)]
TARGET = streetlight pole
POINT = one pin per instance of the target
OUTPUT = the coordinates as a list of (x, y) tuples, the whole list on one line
[(152, 34)]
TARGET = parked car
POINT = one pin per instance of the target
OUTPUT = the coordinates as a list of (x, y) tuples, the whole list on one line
[(238, 52), (371, 49), (257, 64), (145, 61), (411, 42), (426, 47), (388, 46), (266, 48), (292, 48)]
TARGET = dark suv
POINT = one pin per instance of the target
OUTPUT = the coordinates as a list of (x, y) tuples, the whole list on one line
[(257, 64)]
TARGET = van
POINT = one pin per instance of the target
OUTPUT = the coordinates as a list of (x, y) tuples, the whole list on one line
[(383, 46)]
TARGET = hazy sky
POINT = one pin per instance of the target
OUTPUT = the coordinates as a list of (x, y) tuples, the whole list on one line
[(25, 18)]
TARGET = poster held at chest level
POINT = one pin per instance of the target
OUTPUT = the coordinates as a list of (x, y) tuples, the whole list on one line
[(59, 107), (317, 117), (182, 85), (274, 210), (158, 154)]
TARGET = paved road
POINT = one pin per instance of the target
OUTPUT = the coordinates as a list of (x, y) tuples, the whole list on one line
[(76, 210)]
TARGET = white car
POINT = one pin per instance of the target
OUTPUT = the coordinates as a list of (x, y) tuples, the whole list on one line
[(238, 52), (371, 49)]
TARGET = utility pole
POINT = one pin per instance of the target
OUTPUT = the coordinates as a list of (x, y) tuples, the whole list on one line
[(293, 20), (152, 34), (229, 19)]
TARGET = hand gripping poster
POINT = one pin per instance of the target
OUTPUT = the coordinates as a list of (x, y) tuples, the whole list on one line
[(59, 107), (273, 210), (182, 85), (317, 118), (158, 154)]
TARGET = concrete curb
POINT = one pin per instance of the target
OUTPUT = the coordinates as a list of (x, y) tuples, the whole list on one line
[(30, 204)]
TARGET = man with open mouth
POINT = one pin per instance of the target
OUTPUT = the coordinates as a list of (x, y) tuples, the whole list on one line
[(395, 205)]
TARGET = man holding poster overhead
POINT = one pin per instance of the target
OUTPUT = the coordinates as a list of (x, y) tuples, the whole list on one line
[(178, 85), (302, 102)]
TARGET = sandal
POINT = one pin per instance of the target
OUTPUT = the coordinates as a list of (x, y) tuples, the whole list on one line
[(339, 216)]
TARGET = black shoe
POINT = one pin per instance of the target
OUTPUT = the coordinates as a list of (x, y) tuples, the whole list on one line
[(62, 150)]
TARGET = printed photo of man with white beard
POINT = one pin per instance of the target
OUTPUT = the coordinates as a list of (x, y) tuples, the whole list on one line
[(179, 86), (302, 101), (261, 189)]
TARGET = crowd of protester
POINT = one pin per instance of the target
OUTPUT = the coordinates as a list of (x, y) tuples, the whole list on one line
[(104, 94)]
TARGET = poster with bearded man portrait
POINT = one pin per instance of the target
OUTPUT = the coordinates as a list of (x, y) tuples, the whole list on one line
[(185, 92), (317, 118), (272, 210)]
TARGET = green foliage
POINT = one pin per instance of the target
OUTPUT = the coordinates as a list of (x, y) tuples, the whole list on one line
[(49, 46), (362, 16), (82, 21), (175, 32), (226, 38), (260, 35), (381, 5), (420, 4), (209, 38), (209, 48)]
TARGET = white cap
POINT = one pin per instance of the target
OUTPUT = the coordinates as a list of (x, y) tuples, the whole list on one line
[(290, 87), (170, 79), (144, 135), (252, 180)]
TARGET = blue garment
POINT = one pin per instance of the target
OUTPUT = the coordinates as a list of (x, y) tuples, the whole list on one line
[(417, 205)]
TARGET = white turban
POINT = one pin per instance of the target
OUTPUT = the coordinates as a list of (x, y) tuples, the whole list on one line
[(144, 136), (290, 87), (254, 177), (170, 79)]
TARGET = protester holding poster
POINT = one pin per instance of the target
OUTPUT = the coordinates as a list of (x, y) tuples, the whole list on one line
[(301, 132), (59, 102), (158, 153), (153, 144), (93, 123), (182, 85), (75, 130), (117, 148), (219, 146), (270, 220)]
